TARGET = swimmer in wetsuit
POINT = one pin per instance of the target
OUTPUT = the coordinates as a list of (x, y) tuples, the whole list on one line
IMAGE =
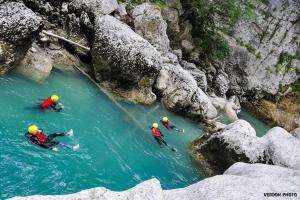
[(38, 137), (157, 134), (52, 103)]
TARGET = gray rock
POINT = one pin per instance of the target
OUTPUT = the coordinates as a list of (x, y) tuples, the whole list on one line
[(198, 75), (263, 51), (36, 65), (178, 53), (19, 27), (296, 133), (95, 7), (238, 142), (240, 181), (149, 23), (64, 7), (180, 92), (171, 14), (122, 9), (221, 85), (282, 148), (123, 57), (230, 107)]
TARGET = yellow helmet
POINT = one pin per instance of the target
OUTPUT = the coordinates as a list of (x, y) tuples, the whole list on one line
[(165, 119), (32, 129), (155, 125), (54, 98)]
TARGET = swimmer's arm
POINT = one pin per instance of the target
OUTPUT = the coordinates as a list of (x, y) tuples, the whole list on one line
[(57, 109)]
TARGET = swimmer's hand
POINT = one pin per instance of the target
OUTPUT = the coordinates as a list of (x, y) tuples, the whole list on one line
[(69, 133), (61, 105), (54, 149)]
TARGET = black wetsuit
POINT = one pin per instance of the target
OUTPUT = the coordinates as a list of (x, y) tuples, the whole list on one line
[(160, 140), (53, 106), (48, 144)]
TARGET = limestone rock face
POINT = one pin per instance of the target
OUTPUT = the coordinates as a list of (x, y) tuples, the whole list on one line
[(238, 142), (123, 57), (239, 181), (149, 23), (19, 27), (198, 75), (221, 85), (171, 14), (284, 112), (265, 51), (180, 92)]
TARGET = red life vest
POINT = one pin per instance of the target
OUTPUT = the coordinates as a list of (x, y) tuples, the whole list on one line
[(41, 137), (156, 132), (46, 104)]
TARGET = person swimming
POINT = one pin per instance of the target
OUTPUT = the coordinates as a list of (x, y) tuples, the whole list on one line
[(157, 134), (38, 137), (52, 103), (166, 122)]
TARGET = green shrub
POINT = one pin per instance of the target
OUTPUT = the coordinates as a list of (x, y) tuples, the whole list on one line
[(296, 87), (298, 71), (130, 4), (250, 48)]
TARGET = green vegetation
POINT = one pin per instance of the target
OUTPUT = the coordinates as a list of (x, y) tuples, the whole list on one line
[(298, 71), (296, 87), (250, 48), (285, 62), (212, 18), (130, 4)]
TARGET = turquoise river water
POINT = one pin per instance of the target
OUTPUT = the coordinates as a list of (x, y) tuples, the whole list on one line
[(116, 152)]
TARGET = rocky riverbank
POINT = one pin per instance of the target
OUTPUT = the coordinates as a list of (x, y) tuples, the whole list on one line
[(240, 181)]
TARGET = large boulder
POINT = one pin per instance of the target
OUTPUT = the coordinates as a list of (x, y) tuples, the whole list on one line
[(36, 65), (231, 107), (124, 58), (240, 181), (180, 92), (94, 7), (238, 142), (19, 28), (149, 23), (282, 148)]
